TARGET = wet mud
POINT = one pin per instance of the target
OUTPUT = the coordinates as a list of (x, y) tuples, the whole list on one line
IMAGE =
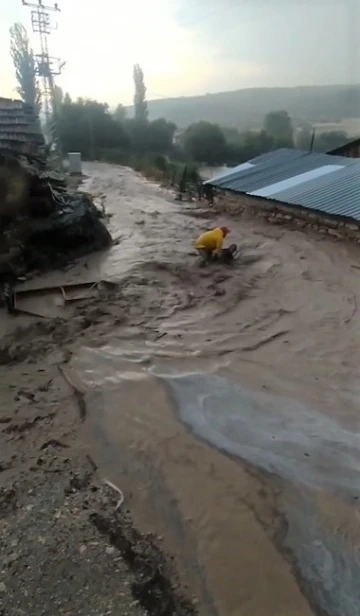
[(152, 586), (280, 436), (204, 506), (224, 401), (293, 503)]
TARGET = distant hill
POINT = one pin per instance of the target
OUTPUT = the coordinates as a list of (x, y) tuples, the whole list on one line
[(246, 108)]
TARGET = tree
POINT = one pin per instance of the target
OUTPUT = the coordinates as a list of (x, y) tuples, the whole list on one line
[(24, 63), (325, 142), (277, 124), (304, 138), (204, 142), (120, 113), (138, 135), (248, 145), (140, 104), (58, 99), (160, 136), (88, 127), (153, 137)]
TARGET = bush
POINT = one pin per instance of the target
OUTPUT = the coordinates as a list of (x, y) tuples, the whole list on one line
[(114, 156)]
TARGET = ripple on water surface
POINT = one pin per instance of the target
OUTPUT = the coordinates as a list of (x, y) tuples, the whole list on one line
[(314, 455), (279, 435), (299, 444)]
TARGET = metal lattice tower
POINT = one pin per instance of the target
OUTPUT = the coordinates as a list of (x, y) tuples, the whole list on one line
[(47, 67)]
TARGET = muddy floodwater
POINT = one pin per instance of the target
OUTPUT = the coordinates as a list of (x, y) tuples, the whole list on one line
[(227, 406)]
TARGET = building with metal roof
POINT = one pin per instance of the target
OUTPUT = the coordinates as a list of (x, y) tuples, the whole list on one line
[(350, 149), (321, 182), (20, 130)]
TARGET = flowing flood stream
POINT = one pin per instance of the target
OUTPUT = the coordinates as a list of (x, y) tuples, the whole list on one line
[(227, 407)]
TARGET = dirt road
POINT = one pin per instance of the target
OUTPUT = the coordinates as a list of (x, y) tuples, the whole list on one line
[(222, 401)]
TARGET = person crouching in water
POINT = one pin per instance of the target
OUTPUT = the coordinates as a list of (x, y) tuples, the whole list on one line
[(210, 243)]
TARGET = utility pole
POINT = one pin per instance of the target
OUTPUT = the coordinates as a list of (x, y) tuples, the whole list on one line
[(91, 137), (312, 140), (47, 67)]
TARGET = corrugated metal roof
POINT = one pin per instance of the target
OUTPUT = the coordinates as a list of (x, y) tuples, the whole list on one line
[(329, 184)]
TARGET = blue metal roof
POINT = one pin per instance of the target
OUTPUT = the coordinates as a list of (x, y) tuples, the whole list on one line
[(330, 184)]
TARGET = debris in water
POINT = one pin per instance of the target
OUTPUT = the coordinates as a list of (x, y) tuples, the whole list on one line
[(114, 487), (42, 224)]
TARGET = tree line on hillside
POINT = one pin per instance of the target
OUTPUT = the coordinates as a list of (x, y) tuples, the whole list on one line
[(247, 108), (90, 127)]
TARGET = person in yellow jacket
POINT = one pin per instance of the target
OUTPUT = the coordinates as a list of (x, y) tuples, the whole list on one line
[(210, 243)]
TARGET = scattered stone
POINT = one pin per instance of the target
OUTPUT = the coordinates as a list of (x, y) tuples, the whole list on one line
[(12, 558)]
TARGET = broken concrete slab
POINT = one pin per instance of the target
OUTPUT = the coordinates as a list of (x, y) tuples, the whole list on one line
[(52, 301), (47, 304)]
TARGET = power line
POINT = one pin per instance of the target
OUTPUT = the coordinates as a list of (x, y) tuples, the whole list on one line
[(47, 66)]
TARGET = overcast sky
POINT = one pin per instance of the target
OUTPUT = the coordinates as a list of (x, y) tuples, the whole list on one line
[(194, 46)]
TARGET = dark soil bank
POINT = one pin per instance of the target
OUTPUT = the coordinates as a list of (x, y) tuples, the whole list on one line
[(55, 560)]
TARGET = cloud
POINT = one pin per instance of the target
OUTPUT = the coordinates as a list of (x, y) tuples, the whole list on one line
[(230, 74), (301, 42), (100, 48), (195, 47), (170, 56)]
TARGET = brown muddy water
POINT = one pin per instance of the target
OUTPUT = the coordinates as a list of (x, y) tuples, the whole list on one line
[(227, 408)]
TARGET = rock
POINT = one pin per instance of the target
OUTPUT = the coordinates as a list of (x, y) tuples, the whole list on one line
[(2, 587), (12, 558), (334, 233), (352, 226)]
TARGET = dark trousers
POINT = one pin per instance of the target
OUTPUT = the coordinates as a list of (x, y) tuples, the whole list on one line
[(205, 255)]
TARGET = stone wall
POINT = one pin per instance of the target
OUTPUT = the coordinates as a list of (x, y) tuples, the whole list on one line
[(291, 216)]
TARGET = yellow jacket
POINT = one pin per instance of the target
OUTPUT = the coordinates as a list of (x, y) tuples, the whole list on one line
[(211, 240)]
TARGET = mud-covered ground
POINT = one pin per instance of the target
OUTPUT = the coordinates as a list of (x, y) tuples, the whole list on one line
[(64, 548), (221, 401)]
